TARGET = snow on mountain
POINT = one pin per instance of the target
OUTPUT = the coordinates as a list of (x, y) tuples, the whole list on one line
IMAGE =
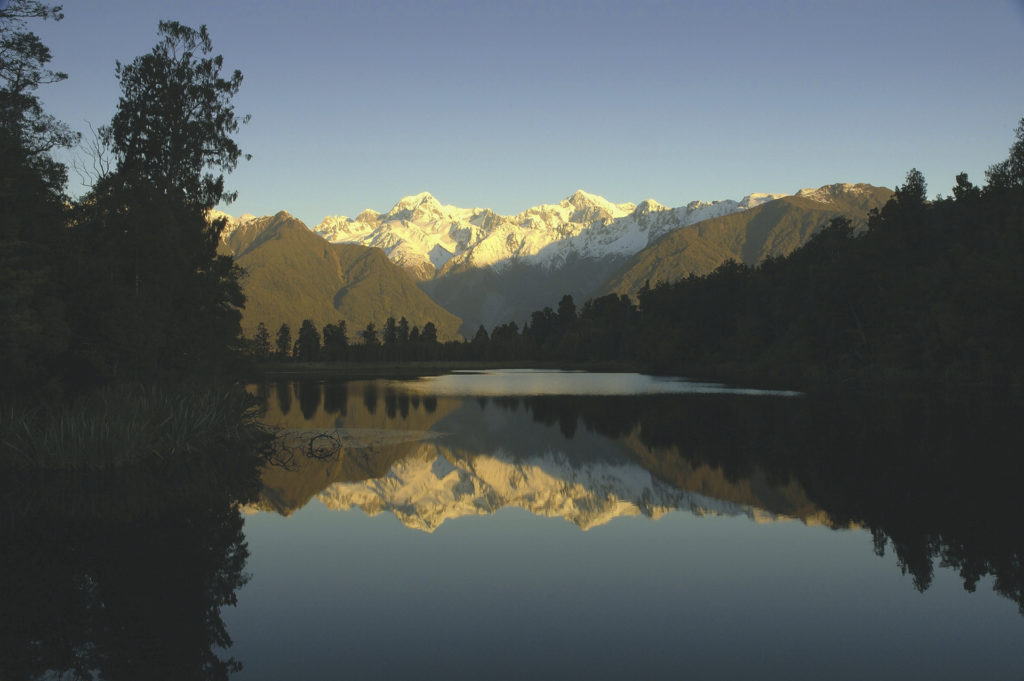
[(436, 484), (232, 223), (427, 237), (830, 192)]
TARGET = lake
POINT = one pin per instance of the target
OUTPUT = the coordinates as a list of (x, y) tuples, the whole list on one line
[(538, 524), (522, 524)]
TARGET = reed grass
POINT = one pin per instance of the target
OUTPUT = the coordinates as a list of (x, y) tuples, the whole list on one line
[(128, 424)]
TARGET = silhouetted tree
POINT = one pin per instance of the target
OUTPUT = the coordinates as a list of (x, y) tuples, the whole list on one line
[(261, 342), (566, 310), (369, 335), (390, 331), (175, 301), (336, 340), (33, 241), (308, 342), (284, 340)]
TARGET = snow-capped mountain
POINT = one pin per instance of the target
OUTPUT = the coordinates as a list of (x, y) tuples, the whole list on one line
[(231, 223), (428, 238)]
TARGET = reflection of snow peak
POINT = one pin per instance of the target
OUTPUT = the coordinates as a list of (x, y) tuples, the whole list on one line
[(435, 485)]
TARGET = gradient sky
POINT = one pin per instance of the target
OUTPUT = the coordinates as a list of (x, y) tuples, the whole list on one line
[(510, 104)]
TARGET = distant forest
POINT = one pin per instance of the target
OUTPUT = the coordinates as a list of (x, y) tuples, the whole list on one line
[(930, 290)]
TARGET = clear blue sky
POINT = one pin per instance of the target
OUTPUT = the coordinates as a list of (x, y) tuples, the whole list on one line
[(510, 104)]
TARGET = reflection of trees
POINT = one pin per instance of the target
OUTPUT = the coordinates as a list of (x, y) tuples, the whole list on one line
[(336, 398), (933, 479), (284, 396), (309, 398), (370, 398), (123, 576)]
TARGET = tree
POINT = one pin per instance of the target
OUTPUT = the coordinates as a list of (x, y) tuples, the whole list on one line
[(261, 342), (429, 333), (336, 340), (175, 120), (566, 310), (23, 60), (369, 335), (177, 299), (1009, 174), (33, 239), (914, 190), (308, 342), (403, 331), (965, 190), (390, 331), (284, 340)]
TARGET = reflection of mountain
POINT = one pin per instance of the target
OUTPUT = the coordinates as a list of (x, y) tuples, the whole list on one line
[(469, 457), (380, 426), (933, 479), (437, 484)]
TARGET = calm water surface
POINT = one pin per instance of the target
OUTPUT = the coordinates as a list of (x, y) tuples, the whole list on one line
[(570, 525), (539, 525)]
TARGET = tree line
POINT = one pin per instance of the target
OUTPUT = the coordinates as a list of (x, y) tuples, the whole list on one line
[(125, 282), (396, 340)]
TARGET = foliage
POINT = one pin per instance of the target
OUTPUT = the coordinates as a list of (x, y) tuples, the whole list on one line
[(261, 342), (284, 340), (173, 301), (175, 120), (307, 345), (33, 324)]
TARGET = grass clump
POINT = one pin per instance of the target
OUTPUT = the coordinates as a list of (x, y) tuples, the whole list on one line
[(128, 424)]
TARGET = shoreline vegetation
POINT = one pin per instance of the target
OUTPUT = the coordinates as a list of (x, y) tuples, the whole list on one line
[(131, 425)]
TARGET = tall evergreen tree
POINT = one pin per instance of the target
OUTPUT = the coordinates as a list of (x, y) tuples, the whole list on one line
[(369, 335), (176, 301), (336, 341), (308, 342), (390, 331), (284, 340), (261, 342)]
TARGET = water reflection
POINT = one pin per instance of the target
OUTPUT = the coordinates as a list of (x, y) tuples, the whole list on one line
[(123, 575), (933, 480)]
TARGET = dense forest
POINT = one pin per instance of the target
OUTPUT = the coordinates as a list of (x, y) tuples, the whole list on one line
[(930, 290), (122, 287)]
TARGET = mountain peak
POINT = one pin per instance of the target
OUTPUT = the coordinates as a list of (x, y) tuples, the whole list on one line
[(581, 199), (828, 192), (414, 200), (757, 198), (648, 206)]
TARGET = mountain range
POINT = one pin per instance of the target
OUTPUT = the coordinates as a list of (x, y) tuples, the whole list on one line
[(486, 269)]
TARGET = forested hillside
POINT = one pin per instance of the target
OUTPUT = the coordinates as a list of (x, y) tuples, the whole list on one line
[(772, 229), (292, 274)]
